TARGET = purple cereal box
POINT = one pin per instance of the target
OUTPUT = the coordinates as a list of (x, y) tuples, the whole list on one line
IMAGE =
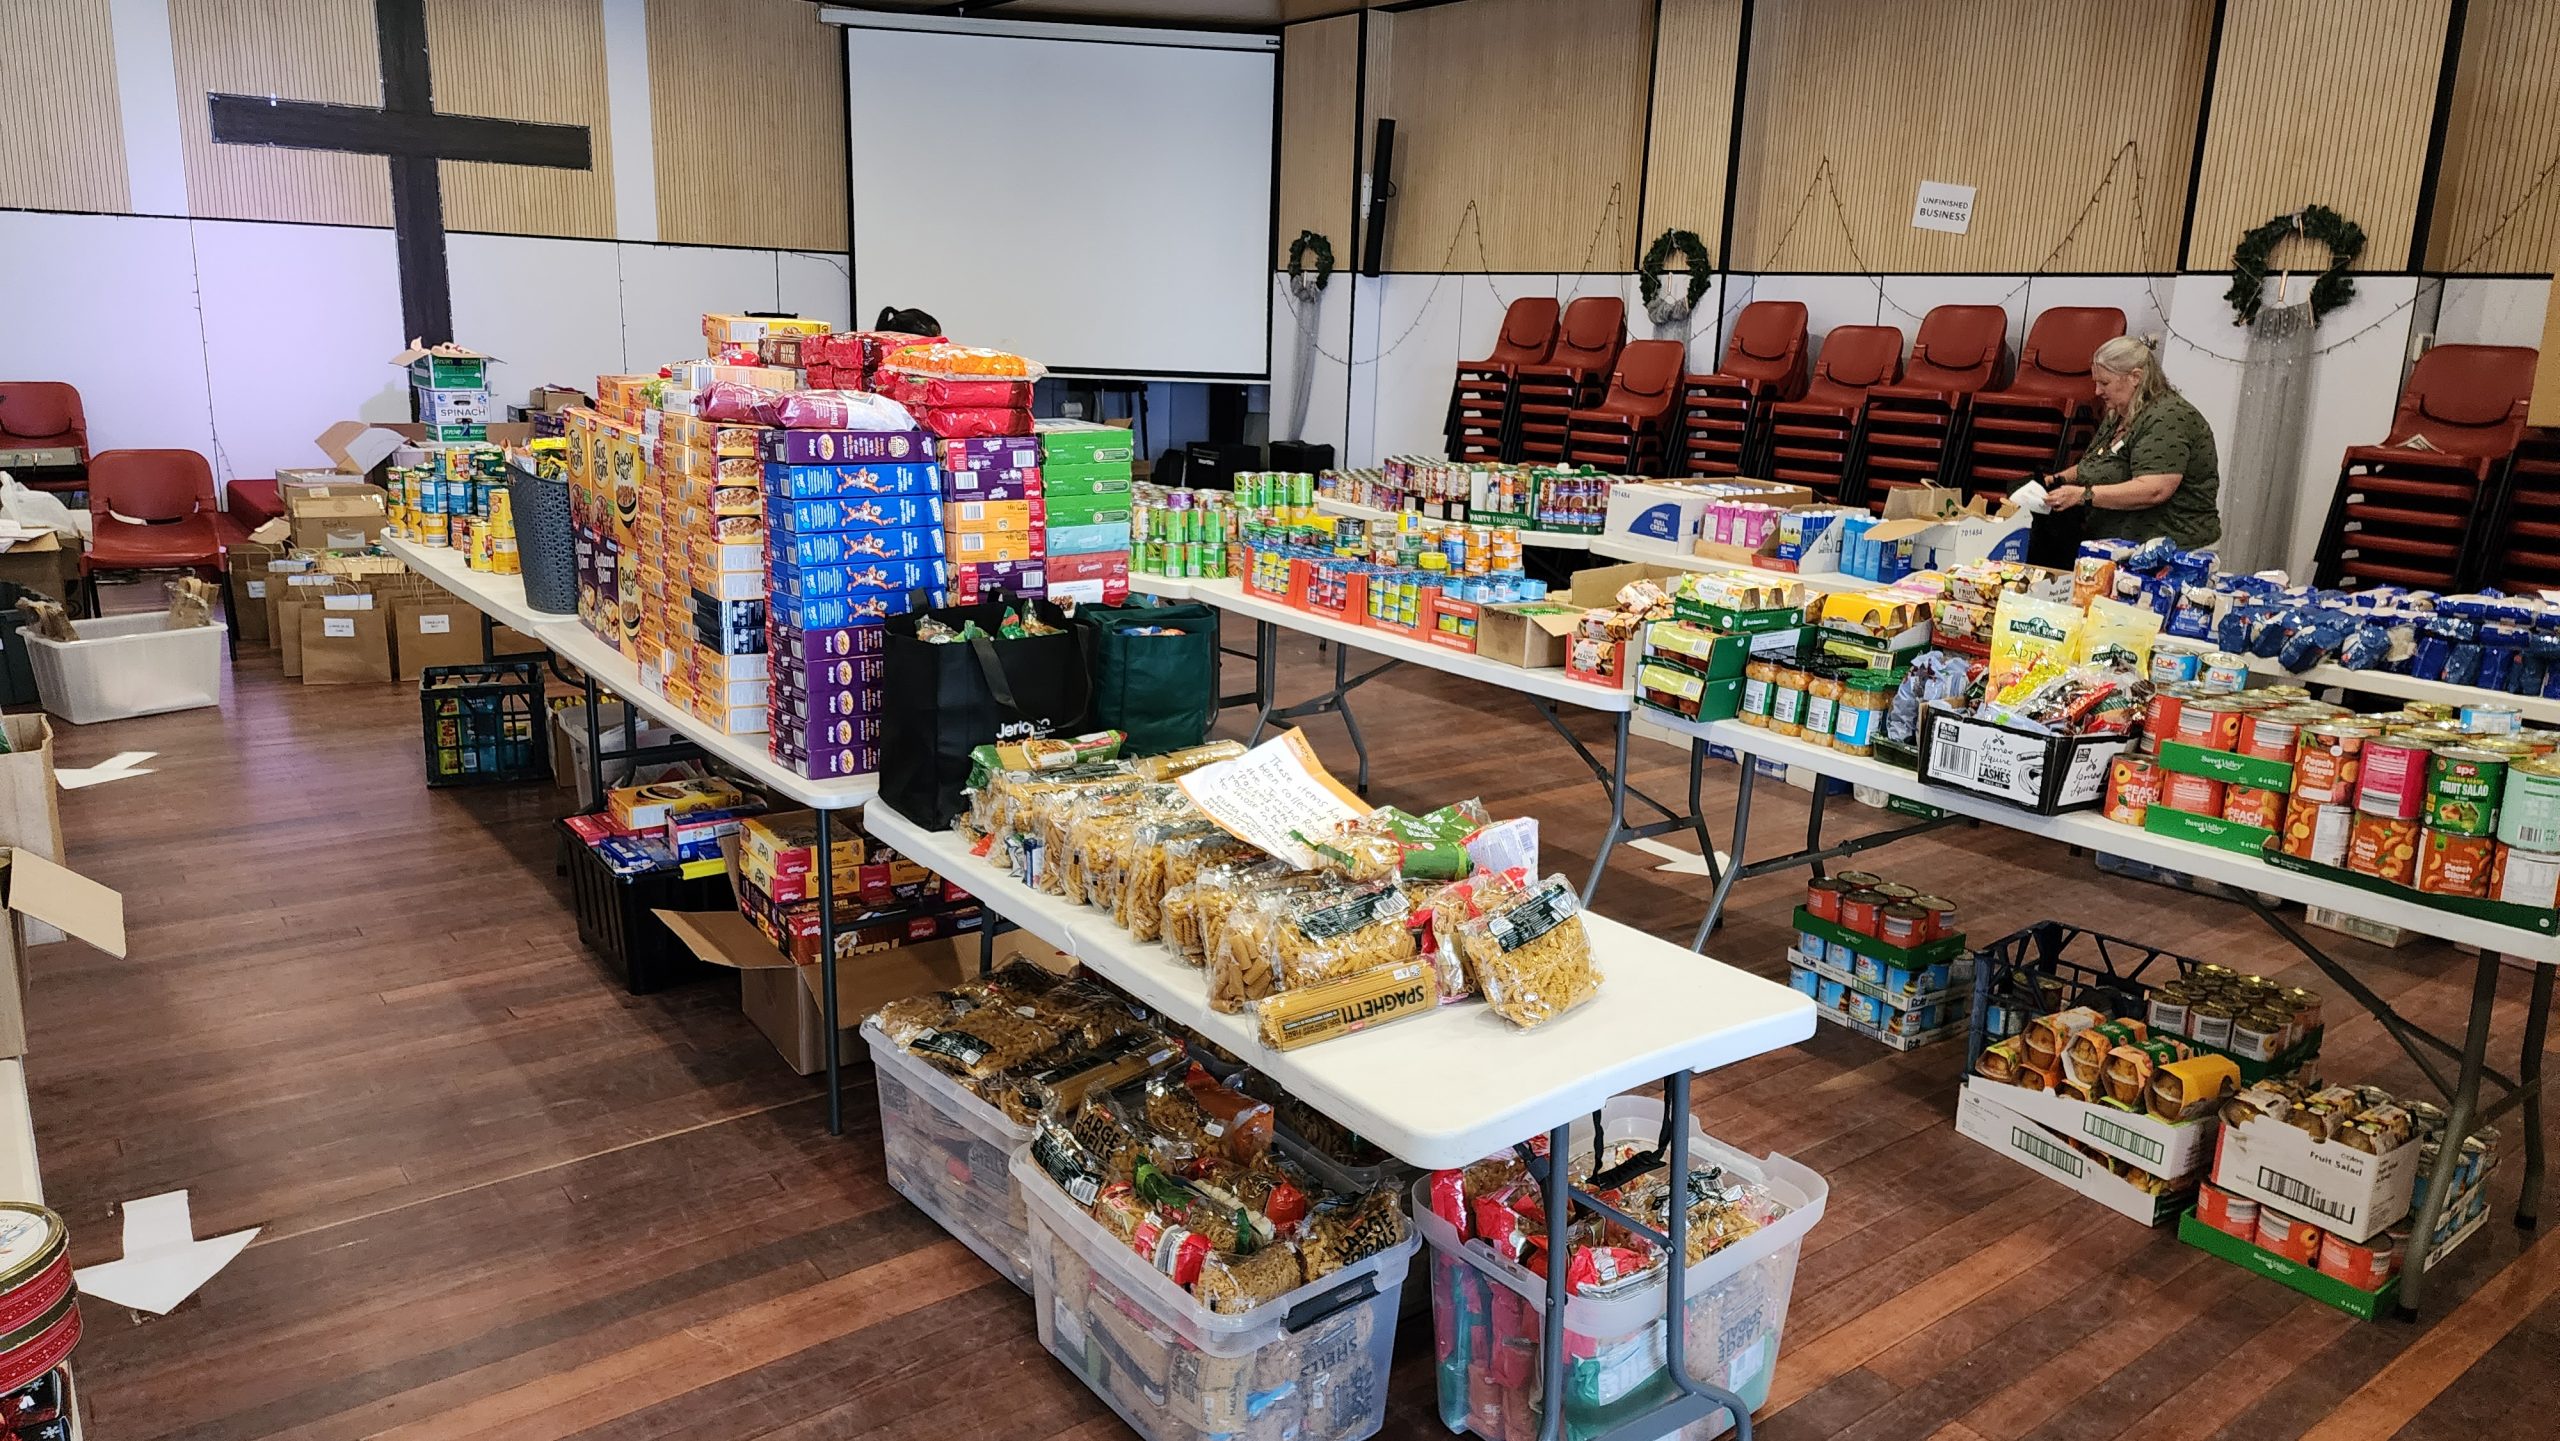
[(828, 447), (1007, 484), (845, 673), (995, 452), (829, 763), (860, 512), (803, 647), (837, 688), (793, 735), (858, 578), (801, 712), (847, 547), (819, 482), (975, 581)]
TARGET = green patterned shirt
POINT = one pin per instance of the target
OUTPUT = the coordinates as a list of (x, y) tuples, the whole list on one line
[(2170, 437)]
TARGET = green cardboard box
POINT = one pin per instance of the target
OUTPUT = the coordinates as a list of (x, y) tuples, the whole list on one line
[(1074, 509), (2229, 767), (2207, 830), (1056, 480), (1083, 442)]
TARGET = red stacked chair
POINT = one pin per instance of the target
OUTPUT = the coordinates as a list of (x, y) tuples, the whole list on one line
[(2411, 510), (1911, 431), (1480, 402), (2044, 416), (154, 510), (1630, 430), (1809, 439), (1544, 397), (1721, 414), (2524, 554), (44, 415)]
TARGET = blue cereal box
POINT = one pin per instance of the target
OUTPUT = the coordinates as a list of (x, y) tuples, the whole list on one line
[(823, 582), (862, 512), (835, 613), (847, 547), (1088, 539), (819, 482)]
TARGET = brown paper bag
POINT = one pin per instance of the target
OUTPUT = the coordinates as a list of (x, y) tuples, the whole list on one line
[(343, 646), (433, 629)]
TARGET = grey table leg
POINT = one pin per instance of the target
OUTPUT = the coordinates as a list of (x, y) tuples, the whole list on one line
[(1741, 837), (826, 865), (2459, 1116)]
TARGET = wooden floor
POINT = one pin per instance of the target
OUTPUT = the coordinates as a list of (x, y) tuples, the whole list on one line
[(503, 1199)]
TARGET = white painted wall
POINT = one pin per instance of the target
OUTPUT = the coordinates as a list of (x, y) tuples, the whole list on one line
[(2493, 312)]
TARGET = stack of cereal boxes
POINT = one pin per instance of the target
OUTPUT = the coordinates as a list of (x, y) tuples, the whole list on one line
[(854, 533), (451, 386), (1086, 470), (994, 513)]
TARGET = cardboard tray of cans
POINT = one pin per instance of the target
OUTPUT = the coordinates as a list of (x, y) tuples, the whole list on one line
[(1896, 1039), (2539, 919), (1959, 984)]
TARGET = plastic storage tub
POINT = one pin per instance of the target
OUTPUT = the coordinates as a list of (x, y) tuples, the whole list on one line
[(949, 1153), (128, 665), (1487, 1313), (1310, 1365)]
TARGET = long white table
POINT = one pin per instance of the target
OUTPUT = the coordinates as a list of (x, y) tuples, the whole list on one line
[(1448, 1088), (2246, 878), (499, 597), (1529, 535), (2407, 687)]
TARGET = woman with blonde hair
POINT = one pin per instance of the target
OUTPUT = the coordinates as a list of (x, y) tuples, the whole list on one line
[(2149, 470)]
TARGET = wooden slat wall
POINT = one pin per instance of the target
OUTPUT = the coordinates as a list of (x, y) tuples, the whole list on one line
[(2325, 101), (1693, 69), (65, 139), (489, 58), (1532, 110), (2505, 132), (748, 116), (295, 49), (2025, 100), (1319, 117)]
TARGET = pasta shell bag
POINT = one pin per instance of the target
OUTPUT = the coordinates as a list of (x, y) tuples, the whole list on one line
[(1530, 954), (2027, 633)]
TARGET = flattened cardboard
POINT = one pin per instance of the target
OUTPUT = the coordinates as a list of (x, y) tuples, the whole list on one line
[(44, 895)]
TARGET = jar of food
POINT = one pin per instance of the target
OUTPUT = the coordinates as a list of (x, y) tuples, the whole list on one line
[(2168, 1010), (1759, 679), (2209, 1023), (1864, 698), (1821, 708), (1786, 701)]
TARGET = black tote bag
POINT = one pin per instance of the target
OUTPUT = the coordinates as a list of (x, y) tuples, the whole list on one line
[(941, 701)]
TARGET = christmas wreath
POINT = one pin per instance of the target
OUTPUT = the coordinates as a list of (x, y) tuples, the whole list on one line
[(1308, 242), (2334, 288), (1657, 262)]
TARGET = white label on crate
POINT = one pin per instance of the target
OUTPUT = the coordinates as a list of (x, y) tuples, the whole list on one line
[(311, 578), (1744, 1368), (257, 590), (1988, 759), (435, 625), (347, 602), (333, 626), (1070, 1328)]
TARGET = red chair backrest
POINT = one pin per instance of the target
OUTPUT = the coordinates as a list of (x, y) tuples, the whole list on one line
[(1648, 374), (1595, 326), (1959, 348), (2467, 399), (149, 484), (2055, 359), (1768, 342), (1854, 359), (40, 410), (1528, 332)]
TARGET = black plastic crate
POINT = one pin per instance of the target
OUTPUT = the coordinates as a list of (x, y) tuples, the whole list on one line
[(2042, 774), (484, 723), (614, 920), (2048, 967)]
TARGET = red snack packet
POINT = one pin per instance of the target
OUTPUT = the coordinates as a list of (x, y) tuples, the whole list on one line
[(729, 400), (1172, 1248), (961, 423), (1241, 1123), (1448, 1192), (1286, 1206)]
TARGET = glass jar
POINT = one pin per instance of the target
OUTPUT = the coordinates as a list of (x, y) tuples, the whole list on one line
[(1821, 706), (1786, 701), (1864, 699), (1759, 678)]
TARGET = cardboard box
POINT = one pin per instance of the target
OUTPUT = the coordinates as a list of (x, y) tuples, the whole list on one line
[(44, 565), (43, 894), (2338, 1188), (2044, 1152), (1655, 514), (787, 1008), (338, 515), (2138, 1138), (1532, 635)]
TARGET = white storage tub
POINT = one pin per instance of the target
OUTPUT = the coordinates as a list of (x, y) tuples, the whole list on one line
[(127, 665), (1311, 1364), (1488, 1313), (949, 1153)]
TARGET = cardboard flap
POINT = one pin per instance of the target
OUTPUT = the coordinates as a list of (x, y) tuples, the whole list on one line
[(722, 938), (444, 351), (66, 899), (357, 446), (1897, 529), (1557, 624)]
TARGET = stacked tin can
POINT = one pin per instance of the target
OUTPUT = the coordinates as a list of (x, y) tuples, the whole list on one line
[(2249, 1017), (1182, 533), (39, 1321)]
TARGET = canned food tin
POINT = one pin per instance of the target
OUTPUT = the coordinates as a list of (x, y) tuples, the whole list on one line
[(1858, 911), (2209, 723), (2306, 1008), (1895, 891), (2434, 710), (2209, 1023), (2291, 1237), (1859, 880), (2269, 735), (1942, 915), (35, 1265), (2231, 1215), (2196, 795), (2160, 713), (2253, 806), (2451, 864), (2222, 670), (2383, 847), (1822, 896), (2524, 878), (2133, 787), (2167, 1011), (2317, 832), (2529, 807), (2463, 786), (2259, 1035), (2326, 762), (2392, 781), (1902, 924), (2366, 1265), (2175, 662)]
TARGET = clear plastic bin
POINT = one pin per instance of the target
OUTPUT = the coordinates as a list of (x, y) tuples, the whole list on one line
[(1488, 1314), (127, 665), (949, 1153), (1311, 1365)]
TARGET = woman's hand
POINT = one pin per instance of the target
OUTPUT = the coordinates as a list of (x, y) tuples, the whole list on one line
[(2065, 497)]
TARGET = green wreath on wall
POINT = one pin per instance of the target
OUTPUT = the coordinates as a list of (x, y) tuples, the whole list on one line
[(2334, 288), (1309, 243), (1657, 263)]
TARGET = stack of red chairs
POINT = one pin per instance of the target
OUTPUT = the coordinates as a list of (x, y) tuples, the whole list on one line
[(44, 415), (154, 510), (2415, 510), (1721, 414), (1910, 431), (1810, 440), (1479, 426), (2525, 553), (1575, 377), (1630, 430), (2044, 416)]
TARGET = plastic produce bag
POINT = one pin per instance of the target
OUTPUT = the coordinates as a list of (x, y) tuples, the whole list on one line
[(840, 410)]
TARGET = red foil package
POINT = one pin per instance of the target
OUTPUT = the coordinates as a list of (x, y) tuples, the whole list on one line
[(963, 423), (935, 392)]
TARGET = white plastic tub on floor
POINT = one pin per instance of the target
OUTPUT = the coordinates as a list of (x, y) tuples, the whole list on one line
[(127, 665)]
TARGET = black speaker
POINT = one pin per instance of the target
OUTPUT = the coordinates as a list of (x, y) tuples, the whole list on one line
[(1300, 455), (1212, 465), (1375, 192)]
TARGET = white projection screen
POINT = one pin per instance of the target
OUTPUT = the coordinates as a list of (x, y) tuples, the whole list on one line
[(1098, 198)]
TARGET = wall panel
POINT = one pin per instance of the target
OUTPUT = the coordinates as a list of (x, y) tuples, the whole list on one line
[(490, 58), (1693, 70), (2325, 101), (748, 114), (2026, 100), (1532, 111), (65, 146), (2503, 137), (1319, 119), (295, 50)]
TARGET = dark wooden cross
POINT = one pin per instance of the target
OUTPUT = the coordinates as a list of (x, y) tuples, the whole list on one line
[(409, 131)]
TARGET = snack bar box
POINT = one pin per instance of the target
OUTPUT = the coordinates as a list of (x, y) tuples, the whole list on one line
[(1010, 484), (832, 688), (1073, 510), (838, 613), (830, 447), (824, 482), (1082, 442), (991, 453), (1088, 479), (807, 646), (868, 512), (1093, 579), (972, 582), (850, 547)]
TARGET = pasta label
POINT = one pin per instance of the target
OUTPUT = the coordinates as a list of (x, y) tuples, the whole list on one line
[(1551, 906), (1343, 917)]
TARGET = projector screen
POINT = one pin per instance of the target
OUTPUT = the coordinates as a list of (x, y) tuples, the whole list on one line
[(1094, 197)]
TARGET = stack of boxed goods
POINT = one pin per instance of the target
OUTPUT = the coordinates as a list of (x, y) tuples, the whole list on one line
[(454, 496), (1881, 958), (1088, 474), (993, 507), (881, 897), (451, 387), (1699, 663)]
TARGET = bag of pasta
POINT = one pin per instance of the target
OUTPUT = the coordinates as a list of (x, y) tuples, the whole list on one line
[(1195, 912), (1530, 955), (1340, 930), (1053, 819), (1168, 853), (1453, 905), (1222, 890), (1174, 765), (1243, 956)]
